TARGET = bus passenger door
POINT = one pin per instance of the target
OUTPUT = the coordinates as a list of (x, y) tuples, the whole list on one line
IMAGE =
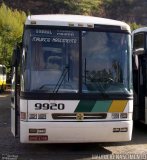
[(142, 86), (14, 92), (13, 103)]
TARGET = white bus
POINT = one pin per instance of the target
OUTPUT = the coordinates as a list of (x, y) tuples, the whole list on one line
[(139, 40), (2, 77), (75, 84)]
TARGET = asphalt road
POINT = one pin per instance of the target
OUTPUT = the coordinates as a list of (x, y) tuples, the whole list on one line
[(11, 149)]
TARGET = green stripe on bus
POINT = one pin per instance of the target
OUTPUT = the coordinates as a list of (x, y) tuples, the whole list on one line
[(85, 106), (101, 106)]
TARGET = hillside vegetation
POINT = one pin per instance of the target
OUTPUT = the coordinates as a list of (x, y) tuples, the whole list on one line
[(11, 28), (127, 10)]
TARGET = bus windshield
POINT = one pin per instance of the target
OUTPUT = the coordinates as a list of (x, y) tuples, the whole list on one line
[(106, 59), (51, 61)]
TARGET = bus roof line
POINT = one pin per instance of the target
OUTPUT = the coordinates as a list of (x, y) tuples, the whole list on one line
[(76, 20)]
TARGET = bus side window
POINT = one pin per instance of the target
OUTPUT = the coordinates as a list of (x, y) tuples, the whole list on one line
[(138, 49), (138, 43)]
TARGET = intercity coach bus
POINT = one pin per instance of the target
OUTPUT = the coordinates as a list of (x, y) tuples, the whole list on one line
[(2, 77), (139, 40), (75, 80)]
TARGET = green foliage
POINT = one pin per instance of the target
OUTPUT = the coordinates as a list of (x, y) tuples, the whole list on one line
[(85, 7), (11, 28), (134, 26)]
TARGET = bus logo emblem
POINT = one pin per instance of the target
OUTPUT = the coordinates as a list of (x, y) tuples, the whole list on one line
[(80, 116)]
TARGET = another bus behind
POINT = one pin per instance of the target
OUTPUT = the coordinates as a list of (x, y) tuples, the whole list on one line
[(139, 40)]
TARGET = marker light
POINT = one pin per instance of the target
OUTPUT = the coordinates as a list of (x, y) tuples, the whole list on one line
[(71, 25), (90, 25), (33, 22), (23, 116)]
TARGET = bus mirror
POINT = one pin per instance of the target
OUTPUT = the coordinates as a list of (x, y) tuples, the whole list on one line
[(16, 57), (139, 51)]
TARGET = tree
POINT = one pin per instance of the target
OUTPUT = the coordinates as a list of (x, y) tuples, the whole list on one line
[(11, 28)]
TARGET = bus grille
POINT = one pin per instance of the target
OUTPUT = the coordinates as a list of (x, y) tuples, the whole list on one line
[(73, 116)]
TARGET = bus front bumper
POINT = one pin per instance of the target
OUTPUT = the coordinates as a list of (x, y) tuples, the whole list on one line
[(75, 132)]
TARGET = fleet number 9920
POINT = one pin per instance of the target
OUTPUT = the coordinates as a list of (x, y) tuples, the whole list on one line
[(49, 106)]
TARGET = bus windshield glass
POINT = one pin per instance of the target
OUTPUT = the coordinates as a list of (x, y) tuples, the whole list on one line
[(51, 61), (106, 60)]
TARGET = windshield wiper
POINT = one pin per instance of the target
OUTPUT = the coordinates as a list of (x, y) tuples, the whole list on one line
[(61, 79)]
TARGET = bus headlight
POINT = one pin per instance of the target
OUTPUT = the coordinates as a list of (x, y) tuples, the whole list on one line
[(119, 115), (41, 116), (115, 115), (123, 115), (32, 116)]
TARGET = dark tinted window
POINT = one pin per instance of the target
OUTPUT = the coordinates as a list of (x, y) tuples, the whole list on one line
[(138, 41)]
